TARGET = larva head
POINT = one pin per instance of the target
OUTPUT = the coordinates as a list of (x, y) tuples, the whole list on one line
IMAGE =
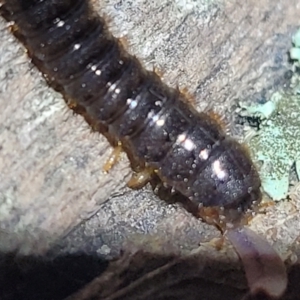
[(228, 186), (211, 170)]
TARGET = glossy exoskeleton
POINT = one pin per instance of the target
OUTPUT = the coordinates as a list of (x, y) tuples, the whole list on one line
[(188, 150)]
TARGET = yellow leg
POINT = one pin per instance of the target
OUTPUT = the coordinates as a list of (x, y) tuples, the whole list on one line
[(211, 215), (140, 179), (217, 243), (113, 158), (124, 42), (158, 72)]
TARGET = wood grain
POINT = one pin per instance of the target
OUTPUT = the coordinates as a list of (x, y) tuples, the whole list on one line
[(51, 164)]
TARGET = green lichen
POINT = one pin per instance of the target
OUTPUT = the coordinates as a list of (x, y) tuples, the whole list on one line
[(295, 51), (277, 143)]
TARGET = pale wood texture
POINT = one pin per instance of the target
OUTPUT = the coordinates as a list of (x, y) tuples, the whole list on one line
[(51, 175)]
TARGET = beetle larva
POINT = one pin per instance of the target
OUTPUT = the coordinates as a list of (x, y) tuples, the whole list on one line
[(156, 126), (188, 150)]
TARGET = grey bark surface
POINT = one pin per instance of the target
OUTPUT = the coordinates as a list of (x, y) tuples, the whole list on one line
[(53, 191)]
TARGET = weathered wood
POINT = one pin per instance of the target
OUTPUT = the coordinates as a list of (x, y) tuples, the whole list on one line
[(51, 175)]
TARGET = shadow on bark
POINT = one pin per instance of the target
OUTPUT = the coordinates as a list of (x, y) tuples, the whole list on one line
[(133, 276)]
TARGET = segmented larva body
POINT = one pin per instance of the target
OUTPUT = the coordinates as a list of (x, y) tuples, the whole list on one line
[(188, 150)]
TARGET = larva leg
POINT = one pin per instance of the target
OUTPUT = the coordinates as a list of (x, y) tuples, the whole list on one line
[(216, 243), (266, 204), (213, 216), (113, 158), (158, 72), (140, 179), (124, 42)]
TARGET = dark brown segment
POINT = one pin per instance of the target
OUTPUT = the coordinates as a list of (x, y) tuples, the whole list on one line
[(149, 99), (54, 41), (89, 84), (189, 151), (33, 17), (79, 55), (228, 178)]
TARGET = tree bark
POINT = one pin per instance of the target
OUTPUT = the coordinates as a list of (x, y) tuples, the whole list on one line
[(53, 191)]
